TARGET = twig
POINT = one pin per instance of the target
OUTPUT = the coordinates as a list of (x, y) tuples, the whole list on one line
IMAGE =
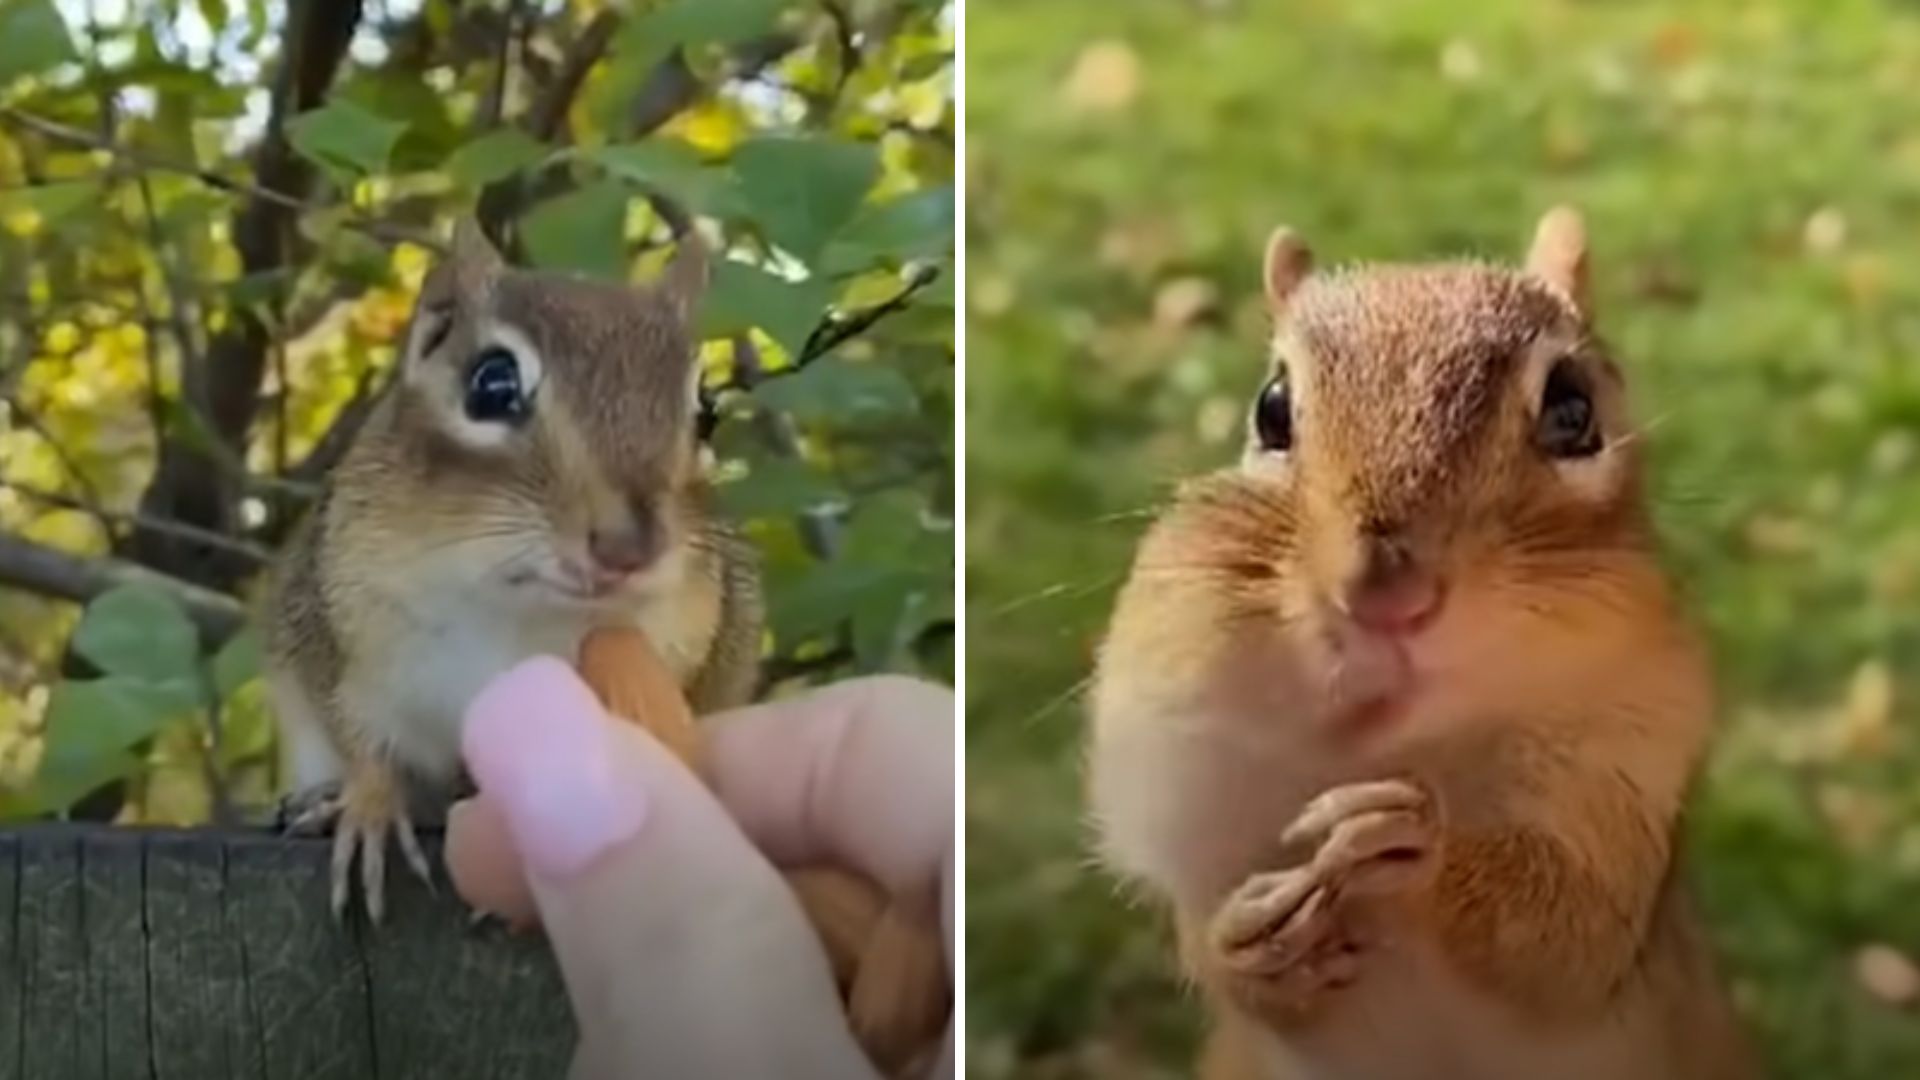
[(836, 330), (52, 572), (546, 121), (818, 528), (383, 231), (548, 116), (833, 331), (487, 116), (848, 40), (110, 518), (672, 86)]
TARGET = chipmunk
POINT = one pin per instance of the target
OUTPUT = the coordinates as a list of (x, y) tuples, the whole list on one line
[(531, 473), (1399, 716)]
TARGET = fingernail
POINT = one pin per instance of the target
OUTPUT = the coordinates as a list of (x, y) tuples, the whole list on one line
[(538, 742)]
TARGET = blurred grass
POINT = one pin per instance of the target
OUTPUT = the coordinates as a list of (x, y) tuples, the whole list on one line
[(1752, 179)]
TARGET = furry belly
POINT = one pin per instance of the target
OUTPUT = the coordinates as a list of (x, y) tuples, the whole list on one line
[(1408, 1017)]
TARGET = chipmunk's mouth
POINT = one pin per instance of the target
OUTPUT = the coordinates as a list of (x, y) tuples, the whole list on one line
[(1372, 680), (571, 587)]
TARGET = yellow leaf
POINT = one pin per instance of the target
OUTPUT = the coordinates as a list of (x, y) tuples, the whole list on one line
[(713, 127)]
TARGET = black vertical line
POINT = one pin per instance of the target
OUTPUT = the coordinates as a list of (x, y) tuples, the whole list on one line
[(366, 980), (146, 966)]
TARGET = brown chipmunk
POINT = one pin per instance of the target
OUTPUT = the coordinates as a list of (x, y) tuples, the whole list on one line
[(1399, 716), (532, 473)]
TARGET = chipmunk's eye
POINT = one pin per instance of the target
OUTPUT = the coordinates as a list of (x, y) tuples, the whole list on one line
[(494, 393), (1273, 416), (1567, 427)]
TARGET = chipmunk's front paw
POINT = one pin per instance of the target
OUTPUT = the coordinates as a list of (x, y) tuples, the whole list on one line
[(1371, 838), (362, 812), (1281, 942)]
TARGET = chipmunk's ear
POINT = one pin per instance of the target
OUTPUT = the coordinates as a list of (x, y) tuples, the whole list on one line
[(1288, 263), (1559, 255), (684, 281), (469, 269)]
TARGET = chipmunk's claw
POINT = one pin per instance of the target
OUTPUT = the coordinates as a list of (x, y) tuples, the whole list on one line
[(310, 812), (364, 812)]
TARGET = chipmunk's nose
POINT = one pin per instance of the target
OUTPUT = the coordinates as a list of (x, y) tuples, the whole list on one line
[(623, 551), (1391, 592)]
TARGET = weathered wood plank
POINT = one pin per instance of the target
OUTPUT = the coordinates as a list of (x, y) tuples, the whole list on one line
[(308, 980), (432, 974), (53, 958), (113, 920), (202, 1025), (202, 955)]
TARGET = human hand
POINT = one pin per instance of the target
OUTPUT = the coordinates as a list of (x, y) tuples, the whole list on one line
[(683, 950)]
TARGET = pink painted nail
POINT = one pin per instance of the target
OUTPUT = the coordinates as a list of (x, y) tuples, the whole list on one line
[(537, 741)]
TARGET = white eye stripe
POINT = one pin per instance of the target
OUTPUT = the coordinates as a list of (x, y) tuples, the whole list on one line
[(496, 334)]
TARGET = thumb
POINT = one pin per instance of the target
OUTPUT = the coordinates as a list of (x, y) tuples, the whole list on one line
[(683, 950)]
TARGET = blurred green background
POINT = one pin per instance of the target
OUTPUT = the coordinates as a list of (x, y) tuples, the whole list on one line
[(1751, 175)]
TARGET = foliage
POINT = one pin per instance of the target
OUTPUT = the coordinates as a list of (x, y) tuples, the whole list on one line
[(213, 219), (1749, 172)]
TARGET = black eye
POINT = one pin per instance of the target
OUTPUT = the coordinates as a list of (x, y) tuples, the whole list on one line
[(1273, 416), (1567, 427), (493, 388)]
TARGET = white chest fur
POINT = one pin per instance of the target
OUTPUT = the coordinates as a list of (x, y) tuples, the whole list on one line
[(412, 691)]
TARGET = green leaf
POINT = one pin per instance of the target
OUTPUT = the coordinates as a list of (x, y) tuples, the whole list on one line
[(834, 389), (826, 598), (91, 726), (139, 631), (673, 169), (493, 157), (914, 226), (345, 137), (884, 584), (648, 40), (36, 38), (582, 230), (774, 487), (743, 296), (803, 190), (884, 623), (237, 663)]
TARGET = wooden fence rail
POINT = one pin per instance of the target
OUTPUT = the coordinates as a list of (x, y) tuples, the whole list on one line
[(212, 955)]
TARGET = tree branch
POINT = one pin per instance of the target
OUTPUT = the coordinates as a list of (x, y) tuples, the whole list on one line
[(546, 121), (109, 518), (836, 330), (189, 485), (52, 572)]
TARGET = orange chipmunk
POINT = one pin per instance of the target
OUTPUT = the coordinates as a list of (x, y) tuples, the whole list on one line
[(1399, 715)]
